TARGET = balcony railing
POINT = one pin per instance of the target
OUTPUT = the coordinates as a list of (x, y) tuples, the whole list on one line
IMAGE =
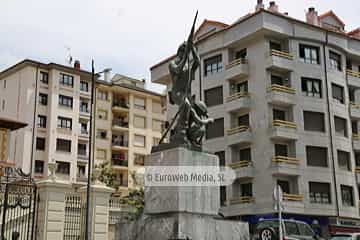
[(282, 123), (238, 129), (236, 62), (237, 96), (117, 202), (120, 143), (285, 159), (240, 164), (242, 200), (281, 54), (121, 124), (119, 162), (354, 105), (353, 73), (356, 136), (121, 104), (292, 197), (281, 88)]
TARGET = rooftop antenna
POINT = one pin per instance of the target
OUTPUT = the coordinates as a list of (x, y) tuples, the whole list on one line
[(69, 58)]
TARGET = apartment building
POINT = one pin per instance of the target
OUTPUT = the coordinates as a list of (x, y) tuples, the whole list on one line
[(284, 94), (129, 120)]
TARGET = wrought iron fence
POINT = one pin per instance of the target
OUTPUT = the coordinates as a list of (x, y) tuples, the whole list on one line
[(74, 217)]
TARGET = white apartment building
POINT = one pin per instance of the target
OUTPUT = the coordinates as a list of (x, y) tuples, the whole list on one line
[(285, 97)]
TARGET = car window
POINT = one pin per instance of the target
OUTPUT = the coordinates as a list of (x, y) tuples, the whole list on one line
[(291, 228), (358, 237), (341, 237), (267, 223), (305, 230)]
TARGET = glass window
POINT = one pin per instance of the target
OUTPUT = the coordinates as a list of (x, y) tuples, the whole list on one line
[(338, 93), (82, 149), (279, 80), (139, 122), (213, 65), (63, 145), (39, 167), (102, 95), (221, 156), (291, 228), (139, 103), (320, 193), (44, 77), (215, 129), (279, 115), (214, 96), (242, 87), (275, 46), (341, 126), (84, 86), (66, 80), (139, 159), (246, 189), (311, 87), (305, 230), (65, 101), (335, 61), (43, 99), (314, 121), (347, 195), (84, 107), (64, 123), (63, 168), (244, 120), (285, 185), (281, 150), (316, 156), (40, 144), (309, 54), (245, 154), (41, 121), (344, 160), (242, 54), (139, 141)]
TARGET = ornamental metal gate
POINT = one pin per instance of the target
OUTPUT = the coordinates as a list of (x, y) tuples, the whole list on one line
[(18, 198)]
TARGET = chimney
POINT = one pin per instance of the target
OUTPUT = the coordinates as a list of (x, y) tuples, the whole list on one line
[(273, 7), (107, 75), (259, 5), (312, 17), (77, 64)]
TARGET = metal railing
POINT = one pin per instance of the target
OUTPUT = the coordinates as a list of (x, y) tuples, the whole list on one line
[(281, 88), (285, 159), (237, 95), (238, 129), (73, 217), (120, 124), (352, 73), (281, 54), (282, 123), (236, 62), (242, 200), (121, 104), (240, 164), (119, 162), (292, 197)]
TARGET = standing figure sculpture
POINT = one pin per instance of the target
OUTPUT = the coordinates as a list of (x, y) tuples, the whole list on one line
[(191, 117)]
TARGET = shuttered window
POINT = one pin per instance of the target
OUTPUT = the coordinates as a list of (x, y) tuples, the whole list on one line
[(214, 96)]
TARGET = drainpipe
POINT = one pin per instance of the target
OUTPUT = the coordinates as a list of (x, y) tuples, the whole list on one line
[(34, 120), (330, 126)]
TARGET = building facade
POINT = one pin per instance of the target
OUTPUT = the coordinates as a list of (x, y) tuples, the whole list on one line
[(54, 101), (284, 94)]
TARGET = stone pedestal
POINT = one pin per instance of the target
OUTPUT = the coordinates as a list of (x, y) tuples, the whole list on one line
[(182, 212)]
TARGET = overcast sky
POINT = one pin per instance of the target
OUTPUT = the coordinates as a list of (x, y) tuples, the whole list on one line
[(128, 36)]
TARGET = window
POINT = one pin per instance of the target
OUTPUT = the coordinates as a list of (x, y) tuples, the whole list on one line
[(351, 94), (214, 96), (101, 154), (4, 84), (139, 141), (39, 167), (344, 160), (156, 107), (341, 126), (63, 145), (311, 87), (244, 120), (102, 134), (319, 192), (337, 93), (139, 159), (63, 122), (40, 144), (279, 80), (66, 80), (157, 125), (44, 77), (139, 103), (354, 127), (84, 128), (221, 156), (241, 54), (291, 228), (65, 101), (215, 129), (245, 154), (81, 170), (84, 107), (139, 122), (102, 114), (285, 185), (246, 189), (335, 61), (279, 115), (63, 168), (309, 54), (357, 159), (43, 99), (281, 150), (314, 121), (305, 230), (213, 65), (222, 195), (41, 121), (316, 156), (82, 149), (156, 141), (239, 88), (275, 46), (84, 86), (347, 195), (102, 95)]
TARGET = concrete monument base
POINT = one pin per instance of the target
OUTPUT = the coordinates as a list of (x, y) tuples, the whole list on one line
[(182, 212)]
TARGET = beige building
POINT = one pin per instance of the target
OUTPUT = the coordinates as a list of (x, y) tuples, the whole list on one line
[(54, 101), (285, 97)]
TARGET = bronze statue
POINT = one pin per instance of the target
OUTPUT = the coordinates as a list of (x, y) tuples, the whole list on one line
[(191, 117)]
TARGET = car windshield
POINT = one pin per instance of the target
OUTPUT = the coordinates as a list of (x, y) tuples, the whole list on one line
[(341, 237)]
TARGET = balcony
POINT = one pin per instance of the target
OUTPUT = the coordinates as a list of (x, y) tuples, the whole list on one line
[(120, 126), (241, 200), (353, 78), (292, 197), (355, 110), (284, 130), (237, 101), (356, 141), (120, 106), (238, 68), (280, 61), (283, 165), (117, 162), (83, 157), (84, 134), (281, 95), (120, 144), (240, 134), (243, 169)]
